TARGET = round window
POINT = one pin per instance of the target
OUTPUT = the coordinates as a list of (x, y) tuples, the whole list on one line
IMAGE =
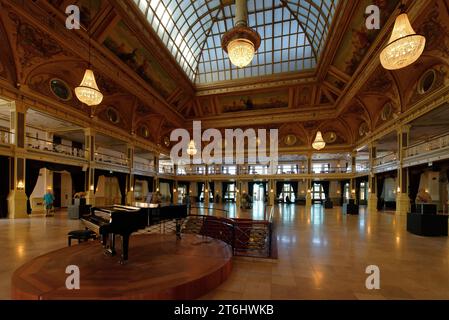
[(112, 115), (427, 81), (60, 89)]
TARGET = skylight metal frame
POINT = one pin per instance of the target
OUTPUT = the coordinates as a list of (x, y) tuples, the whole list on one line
[(293, 35)]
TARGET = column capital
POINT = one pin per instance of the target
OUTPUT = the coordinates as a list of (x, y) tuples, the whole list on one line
[(89, 131), (404, 128)]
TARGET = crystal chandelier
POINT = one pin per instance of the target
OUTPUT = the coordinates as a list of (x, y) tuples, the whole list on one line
[(87, 92), (404, 46), (319, 142), (191, 149), (241, 42)]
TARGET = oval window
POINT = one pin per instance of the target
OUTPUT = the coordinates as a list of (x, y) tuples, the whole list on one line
[(427, 81), (60, 89), (112, 115), (144, 132)]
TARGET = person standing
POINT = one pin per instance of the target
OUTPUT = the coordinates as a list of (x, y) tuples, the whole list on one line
[(48, 202)]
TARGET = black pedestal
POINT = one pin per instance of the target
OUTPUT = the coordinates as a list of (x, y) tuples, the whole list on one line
[(428, 225), (328, 204), (350, 208)]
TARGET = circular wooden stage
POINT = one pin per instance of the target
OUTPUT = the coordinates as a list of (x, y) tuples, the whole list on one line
[(159, 267)]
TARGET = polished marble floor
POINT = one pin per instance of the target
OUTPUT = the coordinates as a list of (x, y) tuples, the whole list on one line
[(323, 254)]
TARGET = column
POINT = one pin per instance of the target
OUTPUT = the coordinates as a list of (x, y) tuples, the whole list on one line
[(17, 199), (238, 193), (175, 192), (372, 181), (271, 191), (402, 198), (352, 186), (89, 142), (156, 173), (206, 192), (309, 181), (130, 199)]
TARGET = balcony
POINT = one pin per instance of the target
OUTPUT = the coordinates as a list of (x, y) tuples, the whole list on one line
[(434, 149), (145, 167), (108, 159), (49, 147)]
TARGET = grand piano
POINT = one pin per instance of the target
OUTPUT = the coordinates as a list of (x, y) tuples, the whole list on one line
[(124, 220)]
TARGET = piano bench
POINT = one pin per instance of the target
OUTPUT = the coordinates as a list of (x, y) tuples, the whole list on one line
[(81, 235)]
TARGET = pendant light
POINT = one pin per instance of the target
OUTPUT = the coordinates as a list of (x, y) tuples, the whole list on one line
[(87, 92), (319, 142), (191, 149), (241, 42), (404, 46)]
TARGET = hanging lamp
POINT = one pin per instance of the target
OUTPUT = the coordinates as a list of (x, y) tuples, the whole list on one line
[(319, 142), (404, 46), (241, 42), (87, 92), (191, 149)]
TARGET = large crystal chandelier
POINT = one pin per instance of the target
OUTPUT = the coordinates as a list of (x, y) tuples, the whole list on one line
[(404, 47), (241, 42), (319, 142), (191, 149), (87, 92)]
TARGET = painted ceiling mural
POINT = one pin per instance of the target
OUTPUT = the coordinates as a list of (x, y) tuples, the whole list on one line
[(359, 39), (250, 102), (122, 42)]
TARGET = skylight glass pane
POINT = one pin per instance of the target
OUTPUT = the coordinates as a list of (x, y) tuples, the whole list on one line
[(293, 34)]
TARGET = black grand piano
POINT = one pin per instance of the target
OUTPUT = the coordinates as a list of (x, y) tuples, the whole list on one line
[(124, 220)]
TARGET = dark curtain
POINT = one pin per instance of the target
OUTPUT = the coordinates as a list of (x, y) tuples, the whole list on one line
[(326, 186), (380, 188), (342, 190), (199, 189), (225, 186), (78, 181), (415, 178), (295, 187), (212, 189), (357, 190), (279, 186), (4, 187), (251, 188)]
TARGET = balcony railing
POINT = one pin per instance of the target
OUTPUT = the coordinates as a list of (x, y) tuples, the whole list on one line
[(389, 158), (435, 143), (47, 146), (110, 159), (166, 170), (143, 166)]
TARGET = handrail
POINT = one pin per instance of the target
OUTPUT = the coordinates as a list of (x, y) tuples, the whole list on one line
[(433, 138), (439, 142), (53, 147), (107, 158)]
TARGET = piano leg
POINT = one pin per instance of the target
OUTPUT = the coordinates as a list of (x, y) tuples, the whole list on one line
[(111, 250), (125, 246)]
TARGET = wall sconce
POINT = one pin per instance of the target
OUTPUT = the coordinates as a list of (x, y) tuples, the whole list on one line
[(174, 190), (353, 191), (92, 188), (20, 185), (49, 188), (157, 189), (131, 189), (369, 190), (399, 190), (271, 190), (308, 191)]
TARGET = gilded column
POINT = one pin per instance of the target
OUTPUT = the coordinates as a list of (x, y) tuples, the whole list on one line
[(402, 198), (17, 199)]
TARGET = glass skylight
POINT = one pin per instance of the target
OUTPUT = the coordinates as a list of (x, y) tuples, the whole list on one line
[(293, 35)]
